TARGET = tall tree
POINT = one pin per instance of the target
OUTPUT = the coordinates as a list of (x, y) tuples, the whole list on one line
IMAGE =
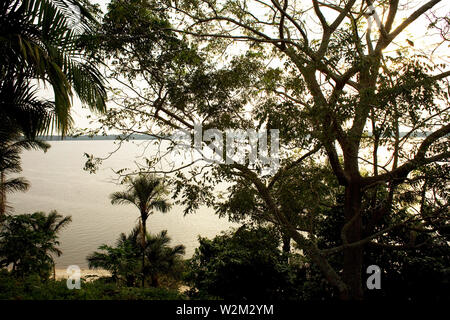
[(148, 193), (349, 85)]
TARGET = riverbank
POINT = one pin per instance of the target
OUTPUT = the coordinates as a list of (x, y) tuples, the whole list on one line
[(89, 274), (84, 273)]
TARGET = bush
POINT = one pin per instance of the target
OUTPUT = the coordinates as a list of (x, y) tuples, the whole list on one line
[(246, 264), (28, 241), (32, 288), (163, 264)]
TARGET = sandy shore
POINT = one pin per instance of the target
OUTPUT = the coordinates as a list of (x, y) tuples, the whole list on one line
[(85, 273), (94, 274)]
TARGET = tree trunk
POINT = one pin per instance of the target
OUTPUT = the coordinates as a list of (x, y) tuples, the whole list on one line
[(155, 281), (2, 196), (144, 234), (286, 243), (310, 248), (286, 246), (353, 256)]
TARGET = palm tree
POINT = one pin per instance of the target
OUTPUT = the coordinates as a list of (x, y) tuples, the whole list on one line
[(9, 162), (161, 258), (11, 144), (123, 259), (29, 241), (147, 193), (40, 44), (50, 225), (38, 41), (21, 111)]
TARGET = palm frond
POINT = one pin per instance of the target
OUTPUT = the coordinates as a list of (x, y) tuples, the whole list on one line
[(60, 221), (38, 41), (161, 205), (28, 144), (9, 160), (122, 198), (178, 250), (98, 260), (14, 185)]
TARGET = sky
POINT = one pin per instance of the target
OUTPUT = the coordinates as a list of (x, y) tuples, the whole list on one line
[(415, 32)]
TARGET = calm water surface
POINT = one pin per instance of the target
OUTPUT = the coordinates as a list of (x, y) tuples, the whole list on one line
[(59, 182)]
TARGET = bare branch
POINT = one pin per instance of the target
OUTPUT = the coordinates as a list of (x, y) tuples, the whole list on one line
[(282, 171), (419, 159), (319, 14), (413, 17)]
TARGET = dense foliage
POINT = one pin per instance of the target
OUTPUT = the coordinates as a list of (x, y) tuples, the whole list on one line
[(416, 266), (125, 264), (28, 243), (40, 40), (32, 288), (243, 265)]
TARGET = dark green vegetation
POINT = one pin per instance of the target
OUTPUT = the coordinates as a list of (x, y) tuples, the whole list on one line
[(245, 264), (363, 119), (28, 241), (147, 193), (41, 41), (32, 288), (127, 266), (249, 264)]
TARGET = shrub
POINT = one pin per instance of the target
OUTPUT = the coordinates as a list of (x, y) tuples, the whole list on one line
[(27, 242), (246, 264), (32, 288), (162, 263)]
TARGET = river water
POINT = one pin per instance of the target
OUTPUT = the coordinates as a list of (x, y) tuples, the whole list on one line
[(58, 182)]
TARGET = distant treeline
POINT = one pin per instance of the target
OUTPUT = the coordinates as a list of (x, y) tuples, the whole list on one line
[(151, 137), (100, 137)]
